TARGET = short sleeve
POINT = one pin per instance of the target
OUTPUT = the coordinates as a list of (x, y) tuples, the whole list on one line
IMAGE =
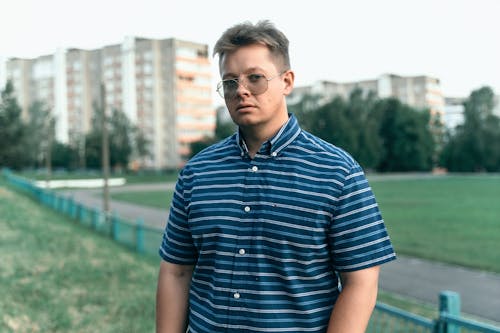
[(358, 236), (177, 244)]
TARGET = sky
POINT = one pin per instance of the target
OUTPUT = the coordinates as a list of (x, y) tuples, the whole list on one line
[(456, 41)]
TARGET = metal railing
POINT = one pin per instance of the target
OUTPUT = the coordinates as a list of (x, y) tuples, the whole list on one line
[(132, 234)]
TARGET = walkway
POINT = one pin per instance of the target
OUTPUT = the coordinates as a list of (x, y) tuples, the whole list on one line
[(415, 278)]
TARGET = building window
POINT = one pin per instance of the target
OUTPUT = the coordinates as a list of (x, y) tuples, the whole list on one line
[(185, 52)]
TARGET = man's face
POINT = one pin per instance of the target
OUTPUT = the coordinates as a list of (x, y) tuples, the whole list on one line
[(247, 109)]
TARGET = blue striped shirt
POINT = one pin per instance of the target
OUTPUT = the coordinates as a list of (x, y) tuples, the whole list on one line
[(269, 235)]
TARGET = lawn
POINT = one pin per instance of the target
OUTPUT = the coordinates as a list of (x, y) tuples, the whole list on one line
[(453, 219), (156, 199), (58, 276)]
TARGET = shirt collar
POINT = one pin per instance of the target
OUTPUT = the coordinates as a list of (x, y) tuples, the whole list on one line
[(288, 132)]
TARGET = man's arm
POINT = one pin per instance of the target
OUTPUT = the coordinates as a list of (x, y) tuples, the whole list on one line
[(172, 297), (356, 301)]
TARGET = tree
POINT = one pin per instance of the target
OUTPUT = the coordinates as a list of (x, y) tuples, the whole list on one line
[(304, 110), (120, 140), (124, 139), (408, 143), (368, 144), (40, 127), (347, 124), (475, 146), (223, 129), (63, 156), (12, 131)]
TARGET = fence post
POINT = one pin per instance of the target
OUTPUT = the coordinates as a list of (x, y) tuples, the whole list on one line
[(115, 226), (76, 211), (70, 207), (139, 236), (53, 200), (95, 219), (82, 214), (58, 201), (449, 303)]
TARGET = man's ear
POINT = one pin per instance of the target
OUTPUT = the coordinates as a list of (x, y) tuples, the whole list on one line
[(288, 79)]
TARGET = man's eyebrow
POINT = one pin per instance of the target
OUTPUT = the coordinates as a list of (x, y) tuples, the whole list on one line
[(254, 69), (229, 76)]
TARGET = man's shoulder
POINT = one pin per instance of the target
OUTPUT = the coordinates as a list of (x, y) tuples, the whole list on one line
[(315, 146), (218, 150)]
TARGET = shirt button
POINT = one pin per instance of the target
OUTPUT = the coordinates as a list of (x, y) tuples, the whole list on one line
[(236, 295), (241, 251), (273, 154), (247, 209), (255, 168)]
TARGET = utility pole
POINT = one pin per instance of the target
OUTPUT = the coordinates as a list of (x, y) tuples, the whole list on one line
[(48, 152), (105, 153)]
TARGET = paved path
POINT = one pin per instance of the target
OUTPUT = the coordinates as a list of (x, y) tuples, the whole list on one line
[(415, 278), (423, 280), (153, 217)]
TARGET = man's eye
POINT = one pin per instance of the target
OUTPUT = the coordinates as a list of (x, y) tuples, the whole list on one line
[(255, 77), (229, 84)]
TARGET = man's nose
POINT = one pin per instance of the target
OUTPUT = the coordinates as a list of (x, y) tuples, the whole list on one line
[(242, 88)]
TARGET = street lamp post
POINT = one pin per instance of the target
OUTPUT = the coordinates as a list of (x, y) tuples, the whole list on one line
[(105, 153)]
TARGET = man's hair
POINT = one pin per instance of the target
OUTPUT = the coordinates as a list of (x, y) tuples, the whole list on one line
[(246, 33)]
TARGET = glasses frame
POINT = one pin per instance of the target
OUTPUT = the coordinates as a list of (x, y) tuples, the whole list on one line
[(220, 85)]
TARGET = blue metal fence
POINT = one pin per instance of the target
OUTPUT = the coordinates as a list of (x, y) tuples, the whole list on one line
[(386, 318), (132, 234), (145, 240)]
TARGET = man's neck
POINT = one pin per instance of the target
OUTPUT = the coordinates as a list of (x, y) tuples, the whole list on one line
[(255, 136)]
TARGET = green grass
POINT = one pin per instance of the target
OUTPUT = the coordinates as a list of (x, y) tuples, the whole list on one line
[(156, 199), (453, 219), (57, 276), (170, 176), (408, 304)]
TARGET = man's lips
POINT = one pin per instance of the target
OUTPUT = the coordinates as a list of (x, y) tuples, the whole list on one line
[(244, 106)]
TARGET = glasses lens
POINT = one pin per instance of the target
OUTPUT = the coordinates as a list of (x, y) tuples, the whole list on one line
[(255, 83), (230, 87), (220, 89), (227, 88)]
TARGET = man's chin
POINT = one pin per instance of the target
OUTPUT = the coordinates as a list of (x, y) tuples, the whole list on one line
[(244, 120)]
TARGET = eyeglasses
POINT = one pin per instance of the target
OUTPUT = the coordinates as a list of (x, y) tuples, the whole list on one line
[(255, 83)]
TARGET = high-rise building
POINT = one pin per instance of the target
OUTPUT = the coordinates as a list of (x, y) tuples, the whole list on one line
[(417, 91), (19, 70), (454, 112), (496, 109), (163, 86)]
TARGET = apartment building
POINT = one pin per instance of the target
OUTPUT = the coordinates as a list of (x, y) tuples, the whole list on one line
[(417, 91), (164, 86), (454, 112), (19, 70)]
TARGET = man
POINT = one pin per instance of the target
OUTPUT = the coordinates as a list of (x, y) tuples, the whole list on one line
[(265, 223)]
